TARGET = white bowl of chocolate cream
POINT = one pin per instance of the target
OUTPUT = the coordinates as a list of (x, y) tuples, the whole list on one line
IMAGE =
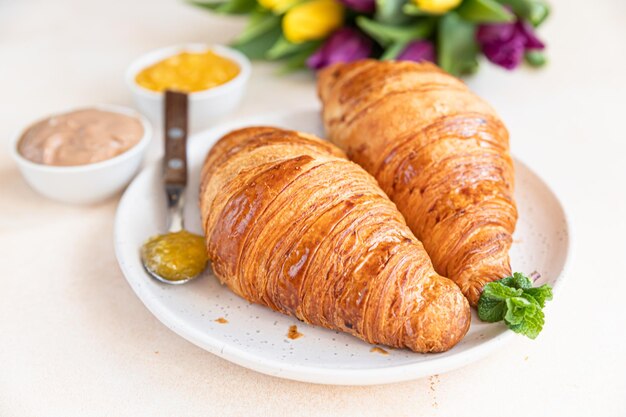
[(83, 156)]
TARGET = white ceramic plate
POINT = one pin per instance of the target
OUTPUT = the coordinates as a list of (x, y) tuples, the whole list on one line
[(255, 336)]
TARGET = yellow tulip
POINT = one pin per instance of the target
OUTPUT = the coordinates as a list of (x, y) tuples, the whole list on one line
[(277, 6), (312, 20), (437, 6)]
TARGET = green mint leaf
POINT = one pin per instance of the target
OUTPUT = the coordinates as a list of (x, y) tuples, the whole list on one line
[(530, 299), (540, 294), (531, 324), (499, 291), (491, 310), (514, 300), (518, 280), (516, 309), (492, 304)]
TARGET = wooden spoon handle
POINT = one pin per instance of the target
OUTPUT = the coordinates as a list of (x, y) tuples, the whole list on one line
[(175, 161)]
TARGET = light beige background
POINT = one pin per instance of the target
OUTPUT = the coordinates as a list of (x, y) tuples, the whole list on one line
[(75, 341)]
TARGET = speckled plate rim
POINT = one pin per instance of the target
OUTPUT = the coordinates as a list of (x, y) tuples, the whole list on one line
[(313, 374)]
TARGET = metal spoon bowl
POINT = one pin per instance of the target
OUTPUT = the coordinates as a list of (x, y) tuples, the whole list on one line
[(174, 174)]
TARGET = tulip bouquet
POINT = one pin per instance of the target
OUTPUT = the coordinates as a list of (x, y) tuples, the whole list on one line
[(452, 33)]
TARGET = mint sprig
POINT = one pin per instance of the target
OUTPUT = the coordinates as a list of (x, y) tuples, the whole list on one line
[(515, 300)]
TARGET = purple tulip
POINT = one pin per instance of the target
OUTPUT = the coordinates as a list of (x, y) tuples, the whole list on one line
[(364, 6), (418, 51), (507, 52), (344, 45), (504, 44), (532, 41), (495, 33)]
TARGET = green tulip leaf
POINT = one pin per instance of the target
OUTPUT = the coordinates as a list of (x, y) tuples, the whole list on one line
[(210, 5), (282, 48), (485, 11), (457, 47), (297, 60), (390, 11), (227, 7), (539, 12), (534, 11), (535, 58), (412, 10), (387, 35), (256, 48), (392, 52), (261, 21)]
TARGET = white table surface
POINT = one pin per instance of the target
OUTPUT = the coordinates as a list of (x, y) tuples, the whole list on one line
[(75, 341)]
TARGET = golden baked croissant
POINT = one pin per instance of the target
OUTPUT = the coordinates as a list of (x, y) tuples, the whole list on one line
[(292, 224), (438, 151)]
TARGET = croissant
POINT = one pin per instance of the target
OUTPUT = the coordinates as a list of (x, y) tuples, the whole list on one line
[(438, 151), (292, 224)]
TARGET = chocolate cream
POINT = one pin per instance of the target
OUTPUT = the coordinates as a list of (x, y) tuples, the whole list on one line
[(80, 137)]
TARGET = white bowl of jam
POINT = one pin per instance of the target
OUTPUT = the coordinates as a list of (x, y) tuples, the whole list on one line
[(83, 156), (215, 77)]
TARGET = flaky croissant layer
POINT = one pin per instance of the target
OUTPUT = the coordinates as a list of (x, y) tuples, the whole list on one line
[(292, 224), (439, 152)]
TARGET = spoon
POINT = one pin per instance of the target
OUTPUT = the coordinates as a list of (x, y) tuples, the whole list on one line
[(178, 256)]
